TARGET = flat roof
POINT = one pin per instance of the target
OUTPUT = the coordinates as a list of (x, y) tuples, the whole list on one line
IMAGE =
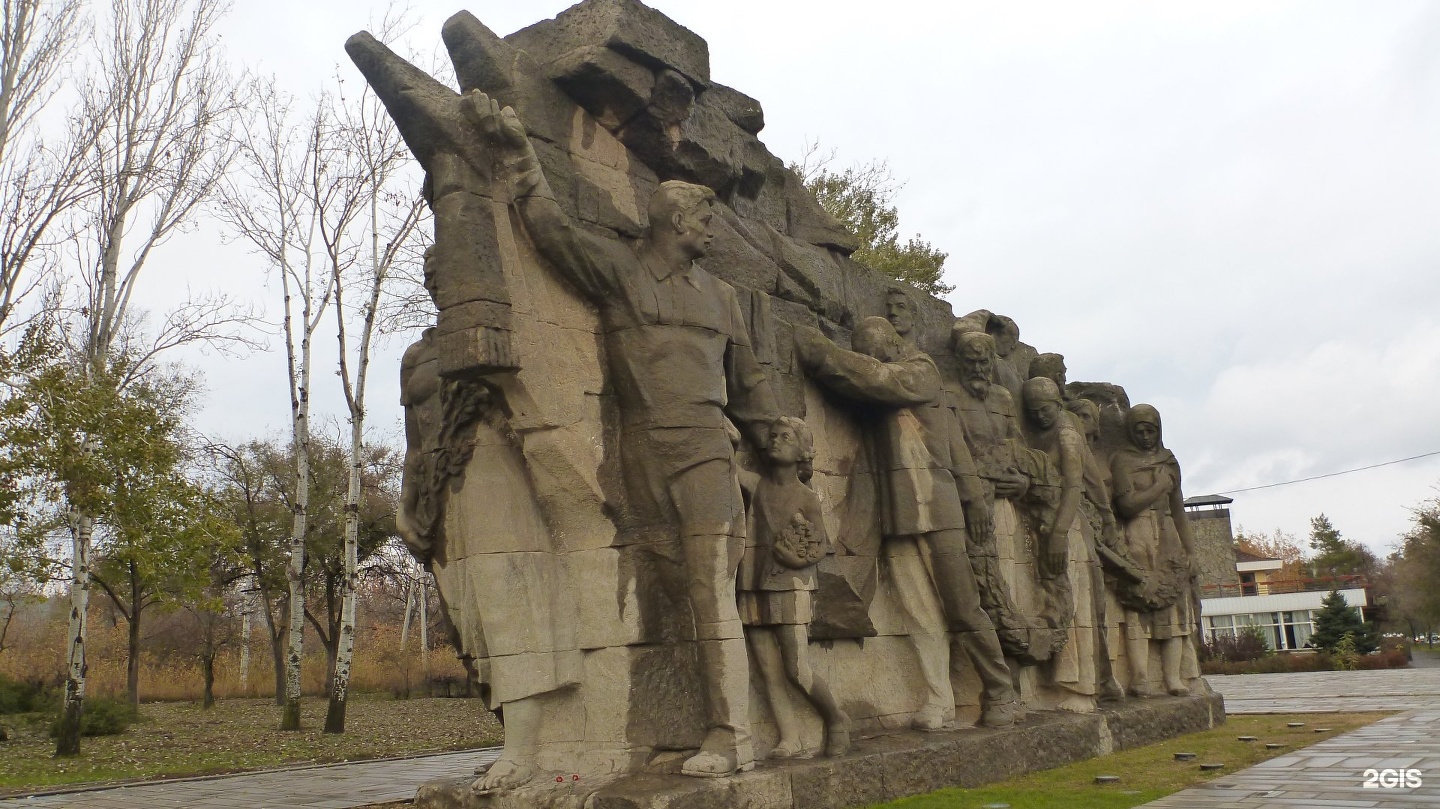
[(1208, 500)]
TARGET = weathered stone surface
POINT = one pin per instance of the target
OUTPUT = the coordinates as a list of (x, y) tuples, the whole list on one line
[(1137, 723), (575, 383), (631, 28), (756, 790), (742, 262), (809, 267), (808, 222), (1215, 548), (695, 141), (609, 85), (837, 784), (878, 769), (743, 110)]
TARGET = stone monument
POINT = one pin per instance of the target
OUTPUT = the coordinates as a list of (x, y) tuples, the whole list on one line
[(699, 491)]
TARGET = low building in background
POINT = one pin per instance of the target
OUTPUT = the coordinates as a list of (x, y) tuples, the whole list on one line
[(1239, 589)]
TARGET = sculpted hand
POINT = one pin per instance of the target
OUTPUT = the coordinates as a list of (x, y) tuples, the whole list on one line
[(979, 522), (500, 127), (410, 533), (1011, 487), (1056, 557)]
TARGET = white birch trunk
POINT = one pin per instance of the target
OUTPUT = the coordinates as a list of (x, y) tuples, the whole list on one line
[(68, 741), (345, 652), (405, 622), (295, 573), (425, 627), (247, 604)]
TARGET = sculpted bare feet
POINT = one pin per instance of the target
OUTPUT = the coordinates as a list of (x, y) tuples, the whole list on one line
[(503, 774)]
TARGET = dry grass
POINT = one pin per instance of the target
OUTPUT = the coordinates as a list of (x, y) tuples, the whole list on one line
[(380, 666), (181, 739)]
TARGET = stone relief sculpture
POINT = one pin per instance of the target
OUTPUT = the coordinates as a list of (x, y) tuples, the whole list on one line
[(508, 610), (1007, 470), (927, 476), (777, 576), (681, 363), (1102, 541), (1150, 506), (638, 456), (1012, 357), (1063, 550), (1100, 552)]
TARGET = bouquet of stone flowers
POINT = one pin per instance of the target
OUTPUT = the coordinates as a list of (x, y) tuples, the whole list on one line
[(1159, 589), (797, 546)]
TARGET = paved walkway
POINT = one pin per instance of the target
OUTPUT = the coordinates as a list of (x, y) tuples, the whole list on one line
[(1333, 774), (1328, 775), (1330, 691), (336, 786)]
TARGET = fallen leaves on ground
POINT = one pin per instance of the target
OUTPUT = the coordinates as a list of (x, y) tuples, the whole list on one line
[(181, 739)]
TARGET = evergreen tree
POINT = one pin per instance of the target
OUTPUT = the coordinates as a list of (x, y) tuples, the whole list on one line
[(1337, 619), (1336, 555)]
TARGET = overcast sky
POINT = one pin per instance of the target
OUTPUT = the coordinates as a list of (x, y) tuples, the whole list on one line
[(1232, 209)]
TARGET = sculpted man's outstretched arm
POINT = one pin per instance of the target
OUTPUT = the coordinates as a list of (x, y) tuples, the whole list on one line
[(862, 377)]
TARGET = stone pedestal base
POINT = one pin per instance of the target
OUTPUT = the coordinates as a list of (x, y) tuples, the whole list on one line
[(877, 769)]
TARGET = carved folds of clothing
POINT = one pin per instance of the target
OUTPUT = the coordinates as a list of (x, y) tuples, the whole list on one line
[(770, 590), (917, 447)]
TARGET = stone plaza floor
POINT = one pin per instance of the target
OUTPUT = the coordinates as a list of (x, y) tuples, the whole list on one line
[(1335, 774), (1328, 775)]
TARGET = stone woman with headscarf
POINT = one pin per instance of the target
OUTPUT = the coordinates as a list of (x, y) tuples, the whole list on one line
[(1150, 508)]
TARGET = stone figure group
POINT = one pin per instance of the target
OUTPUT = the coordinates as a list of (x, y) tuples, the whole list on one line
[(1006, 512), (696, 489)]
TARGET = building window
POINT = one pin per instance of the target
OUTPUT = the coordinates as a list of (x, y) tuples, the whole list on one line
[(1282, 631), (1219, 626)]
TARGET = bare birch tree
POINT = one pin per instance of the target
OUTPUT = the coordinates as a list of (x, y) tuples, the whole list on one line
[(39, 182), (276, 203), (158, 105), (374, 231)]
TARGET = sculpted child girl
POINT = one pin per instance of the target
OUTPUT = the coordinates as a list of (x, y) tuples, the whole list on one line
[(775, 583)]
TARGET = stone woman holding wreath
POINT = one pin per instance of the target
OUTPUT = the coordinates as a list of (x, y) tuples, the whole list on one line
[(777, 576), (1151, 510)]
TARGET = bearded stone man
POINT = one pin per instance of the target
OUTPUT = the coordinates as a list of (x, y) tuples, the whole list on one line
[(992, 432), (923, 466)]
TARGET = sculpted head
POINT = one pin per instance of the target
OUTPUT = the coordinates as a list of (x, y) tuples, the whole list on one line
[(791, 441), (976, 353), (681, 214), (1051, 367), (1006, 333), (1142, 424), (1042, 402), (900, 311), (875, 337), (1089, 414)]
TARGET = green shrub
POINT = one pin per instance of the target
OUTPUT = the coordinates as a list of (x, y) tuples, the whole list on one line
[(102, 716), (25, 696), (1246, 645)]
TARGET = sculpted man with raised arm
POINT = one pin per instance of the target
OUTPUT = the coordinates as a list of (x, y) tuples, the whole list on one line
[(681, 364)]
